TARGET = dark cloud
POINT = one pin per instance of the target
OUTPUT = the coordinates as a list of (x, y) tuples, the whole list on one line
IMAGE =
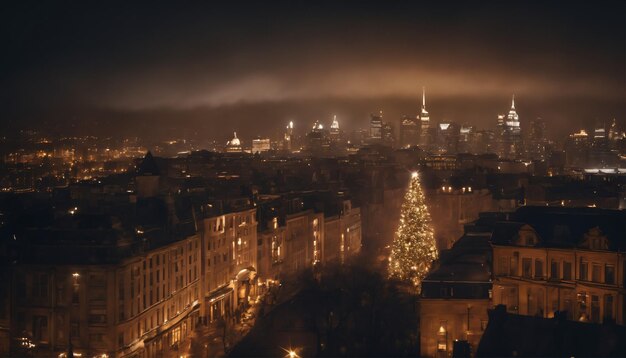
[(565, 59)]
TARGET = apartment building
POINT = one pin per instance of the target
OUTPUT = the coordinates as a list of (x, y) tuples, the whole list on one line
[(229, 256), (574, 267)]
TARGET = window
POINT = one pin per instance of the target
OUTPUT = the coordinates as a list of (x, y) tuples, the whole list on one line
[(567, 271), (60, 294), (120, 288), (554, 270), (121, 312), (96, 337), (595, 309), (75, 294), (175, 336), (608, 308), (443, 291), (276, 248), (582, 275), (75, 330), (40, 286), (514, 263), (527, 270), (60, 323), (442, 337), (596, 270), (97, 319), (538, 268), (483, 324), (609, 274), (504, 266), (40, 328), (582, 306)]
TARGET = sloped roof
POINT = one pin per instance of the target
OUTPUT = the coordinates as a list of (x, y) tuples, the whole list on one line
[(509, 335), (148, 166), (563, 227)]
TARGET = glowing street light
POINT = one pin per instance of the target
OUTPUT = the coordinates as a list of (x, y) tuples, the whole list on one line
[(291, 353)]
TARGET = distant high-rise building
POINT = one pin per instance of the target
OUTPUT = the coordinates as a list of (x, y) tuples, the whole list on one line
[(388, 137), (537, 141), (425, 135), (614, 133), (317, 140), (376, 124), (510, 135), (260, 145), (600, 154), (409, 132), (288, 138), (484, 142), (577, 149), (466, 139), (447, 138), (335, 133)]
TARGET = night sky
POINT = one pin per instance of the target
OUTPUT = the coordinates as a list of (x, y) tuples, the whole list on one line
[(214, 68)]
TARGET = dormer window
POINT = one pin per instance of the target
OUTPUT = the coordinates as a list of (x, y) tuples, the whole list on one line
[(595, 240), (527, 236)]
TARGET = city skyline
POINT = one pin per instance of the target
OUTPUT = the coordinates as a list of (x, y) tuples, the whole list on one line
[(200, 68)]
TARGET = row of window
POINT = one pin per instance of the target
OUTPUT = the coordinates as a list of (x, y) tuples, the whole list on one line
[(559, 270)]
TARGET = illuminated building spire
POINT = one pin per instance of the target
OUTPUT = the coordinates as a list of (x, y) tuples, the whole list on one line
[(513, 102), (335, 124), (424, 116)]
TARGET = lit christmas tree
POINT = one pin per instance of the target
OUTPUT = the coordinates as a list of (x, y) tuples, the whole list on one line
[(413, 249)]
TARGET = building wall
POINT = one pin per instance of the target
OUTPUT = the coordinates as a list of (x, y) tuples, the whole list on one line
[(157, 298), (451, 209), (588, 284), (332, 244), (110, 309), (443, 321), (229, 246)]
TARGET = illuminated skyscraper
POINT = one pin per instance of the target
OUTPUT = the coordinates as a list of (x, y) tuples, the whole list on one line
[(577, 149), (387, 133), (335, 133), (317, 141), (600, 154), (288, 138), (537, 141), (447, 138), (376, 125), (424, 140), (614, 132), (466, 139), (409, 132), (260, 145), (509, 130)]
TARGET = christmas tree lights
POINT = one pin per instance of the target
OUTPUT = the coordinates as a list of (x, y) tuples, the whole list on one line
[(413, 249)]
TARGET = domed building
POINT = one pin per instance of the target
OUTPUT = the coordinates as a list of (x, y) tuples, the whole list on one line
[(233, 145)]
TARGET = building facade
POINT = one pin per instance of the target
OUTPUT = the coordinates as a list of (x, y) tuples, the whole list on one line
[(586, 283)]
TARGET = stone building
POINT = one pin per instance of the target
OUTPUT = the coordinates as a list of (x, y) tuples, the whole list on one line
[(561, 260), (455, 296)]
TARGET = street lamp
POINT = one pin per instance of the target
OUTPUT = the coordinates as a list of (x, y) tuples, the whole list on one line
[(291, 353)]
